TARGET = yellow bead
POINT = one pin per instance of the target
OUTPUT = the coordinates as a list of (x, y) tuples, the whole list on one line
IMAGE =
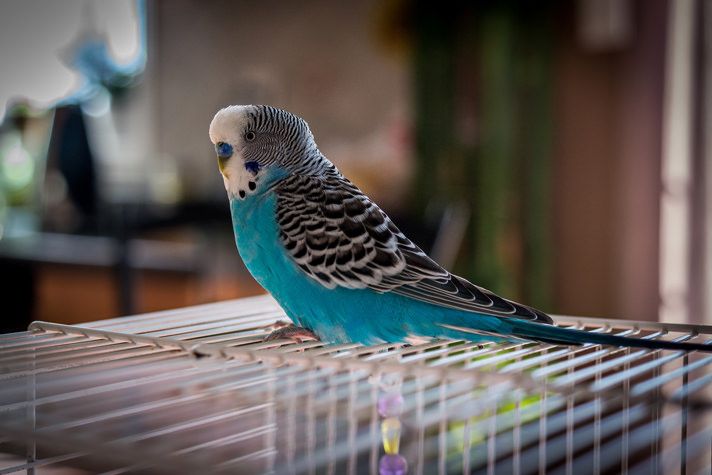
[(391, 432)]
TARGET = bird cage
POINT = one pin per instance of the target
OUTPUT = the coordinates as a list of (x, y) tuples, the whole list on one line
[(197, 390)]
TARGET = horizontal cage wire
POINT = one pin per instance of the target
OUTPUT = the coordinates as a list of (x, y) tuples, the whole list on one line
[(198, 390)]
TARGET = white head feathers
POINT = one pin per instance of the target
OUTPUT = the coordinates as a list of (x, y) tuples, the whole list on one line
[(228, 127)]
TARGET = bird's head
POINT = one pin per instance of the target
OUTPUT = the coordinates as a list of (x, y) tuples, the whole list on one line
[(259, 145)]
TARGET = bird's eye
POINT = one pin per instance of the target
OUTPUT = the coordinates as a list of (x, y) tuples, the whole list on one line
[(250, 136)]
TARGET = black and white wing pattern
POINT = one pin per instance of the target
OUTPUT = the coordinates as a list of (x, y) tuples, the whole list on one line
[(340, 238)]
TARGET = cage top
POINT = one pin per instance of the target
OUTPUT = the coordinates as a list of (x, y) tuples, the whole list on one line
[(182, 390), (236, 330)]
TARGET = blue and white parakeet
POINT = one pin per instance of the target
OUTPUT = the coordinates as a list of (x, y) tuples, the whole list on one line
[(338, 265)]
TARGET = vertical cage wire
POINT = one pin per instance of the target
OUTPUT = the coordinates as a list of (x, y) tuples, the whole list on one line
[(198, 389)]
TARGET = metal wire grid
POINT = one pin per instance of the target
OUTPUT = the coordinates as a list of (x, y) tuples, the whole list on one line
[(197, 390)]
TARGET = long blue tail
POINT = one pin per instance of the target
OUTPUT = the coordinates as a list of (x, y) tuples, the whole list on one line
[(567, 336)]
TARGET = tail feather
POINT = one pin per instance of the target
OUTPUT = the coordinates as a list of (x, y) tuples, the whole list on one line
[(569, 336)]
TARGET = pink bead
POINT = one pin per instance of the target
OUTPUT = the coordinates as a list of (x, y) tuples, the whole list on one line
[(390, 404)]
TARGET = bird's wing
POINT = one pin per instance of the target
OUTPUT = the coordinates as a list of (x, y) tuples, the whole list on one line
[(340, 238)]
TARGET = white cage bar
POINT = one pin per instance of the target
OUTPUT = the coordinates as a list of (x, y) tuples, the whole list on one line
[(196, 390)]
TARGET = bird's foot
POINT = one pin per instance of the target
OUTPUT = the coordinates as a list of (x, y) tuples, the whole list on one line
[(287, 331)]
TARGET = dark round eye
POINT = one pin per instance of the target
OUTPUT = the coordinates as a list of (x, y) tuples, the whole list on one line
[(250, 136)]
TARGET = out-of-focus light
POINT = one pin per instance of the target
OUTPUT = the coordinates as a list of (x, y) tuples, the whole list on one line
[(34, 34), (677, 167), (3, 214), (117, 20), (16, 163), (99, 105), (164, 183)]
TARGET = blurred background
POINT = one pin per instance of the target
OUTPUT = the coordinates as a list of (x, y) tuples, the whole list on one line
[(557, 152)]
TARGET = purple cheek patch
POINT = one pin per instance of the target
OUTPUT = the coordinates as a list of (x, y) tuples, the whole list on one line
[(252, 167)]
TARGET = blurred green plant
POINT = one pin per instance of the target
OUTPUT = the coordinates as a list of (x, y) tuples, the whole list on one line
[(482, 87)]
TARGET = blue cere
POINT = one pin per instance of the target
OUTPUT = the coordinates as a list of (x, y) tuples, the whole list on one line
[(224, 150)]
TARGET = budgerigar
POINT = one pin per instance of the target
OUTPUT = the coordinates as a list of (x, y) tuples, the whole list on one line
[(337, 264)]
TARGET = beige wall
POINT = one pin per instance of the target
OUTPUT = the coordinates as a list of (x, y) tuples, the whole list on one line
[(319, 58), (608, 116)]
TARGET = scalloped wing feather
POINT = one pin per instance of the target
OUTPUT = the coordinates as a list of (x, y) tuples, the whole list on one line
[(340, 238)]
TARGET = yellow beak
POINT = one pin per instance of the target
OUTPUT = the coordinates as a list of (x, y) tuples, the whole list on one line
[(222, 162)]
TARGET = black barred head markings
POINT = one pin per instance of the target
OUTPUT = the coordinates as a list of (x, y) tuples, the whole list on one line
[(255, 144)]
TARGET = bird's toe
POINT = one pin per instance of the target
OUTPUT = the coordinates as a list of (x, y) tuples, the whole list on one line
[(292, 332)]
